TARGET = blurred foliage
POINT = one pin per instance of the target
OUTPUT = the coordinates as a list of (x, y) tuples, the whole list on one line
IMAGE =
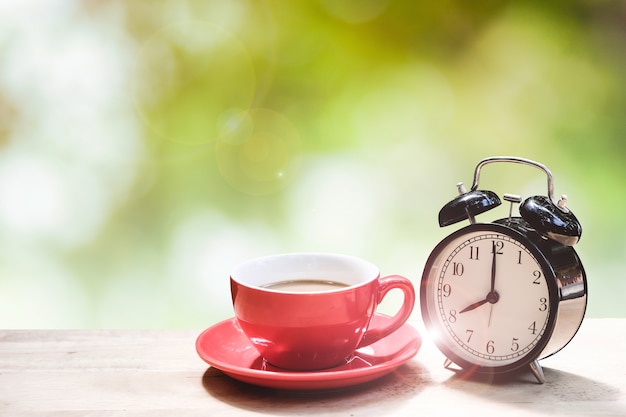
[(227, 130)]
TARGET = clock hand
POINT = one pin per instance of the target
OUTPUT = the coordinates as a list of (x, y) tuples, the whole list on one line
[(493, 269), (474, 305), (492, 296)]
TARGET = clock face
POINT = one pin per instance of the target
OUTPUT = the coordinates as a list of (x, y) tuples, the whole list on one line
[(486, 299)]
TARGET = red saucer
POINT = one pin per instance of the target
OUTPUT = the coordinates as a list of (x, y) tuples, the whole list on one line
[(224, 346)]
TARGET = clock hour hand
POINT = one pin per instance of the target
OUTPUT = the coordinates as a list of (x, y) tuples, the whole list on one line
[(474, 305)]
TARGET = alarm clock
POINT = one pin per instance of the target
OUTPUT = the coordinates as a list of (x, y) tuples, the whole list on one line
[(497, 297)]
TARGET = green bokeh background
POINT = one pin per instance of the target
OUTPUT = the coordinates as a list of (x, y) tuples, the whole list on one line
[(147, 147)]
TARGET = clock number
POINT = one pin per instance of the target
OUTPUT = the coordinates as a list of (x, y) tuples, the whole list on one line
[(457, 268), (452, 318), (537, 275), (490, 347), (519, 257), (497, 247), (474, 252), (515, 345), (469, 334), (533, 328), (447, 290), (544, 304)]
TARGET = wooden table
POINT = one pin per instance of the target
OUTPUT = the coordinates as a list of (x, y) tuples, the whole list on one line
[(158, 373)]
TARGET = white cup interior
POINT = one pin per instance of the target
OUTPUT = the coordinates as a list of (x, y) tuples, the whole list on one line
[(345, 269)]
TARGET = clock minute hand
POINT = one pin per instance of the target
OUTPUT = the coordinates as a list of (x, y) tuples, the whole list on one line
[(493, 296), (493, 269)]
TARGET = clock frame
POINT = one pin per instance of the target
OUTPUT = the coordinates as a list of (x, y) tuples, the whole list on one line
[(564, 277)]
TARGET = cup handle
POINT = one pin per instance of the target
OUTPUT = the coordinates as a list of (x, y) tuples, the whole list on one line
[(385, 285)]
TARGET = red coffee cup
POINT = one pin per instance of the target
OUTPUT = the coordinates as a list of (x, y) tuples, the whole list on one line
[(309, 311)]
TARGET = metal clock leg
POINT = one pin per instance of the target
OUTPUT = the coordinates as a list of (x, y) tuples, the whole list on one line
[(537, 371)]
